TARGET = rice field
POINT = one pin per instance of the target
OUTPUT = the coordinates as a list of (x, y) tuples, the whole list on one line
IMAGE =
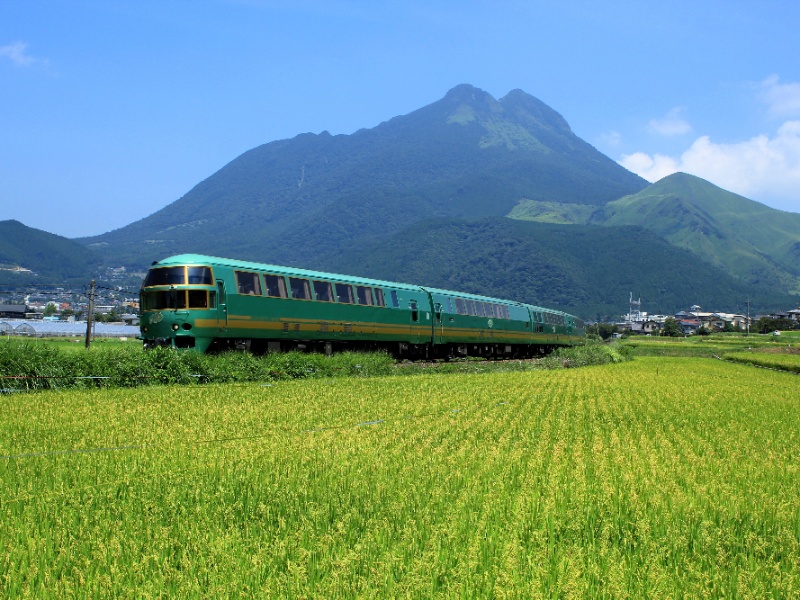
[(770, 360), (657, 478)]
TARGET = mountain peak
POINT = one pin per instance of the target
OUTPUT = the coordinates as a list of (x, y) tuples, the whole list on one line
[(465, 92)]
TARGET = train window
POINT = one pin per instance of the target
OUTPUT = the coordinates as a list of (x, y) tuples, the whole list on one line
[(323, 291), (488, 309), (248, 283), (301, 290), (379, 301), (395, 300), (450, 305), (461, 306), (503, 311), (212, 299), (344, 293), (276, 286), (471, 308), (198, 299), (164, 300), (414, 312), (364, 295), (165, 276), (199, 276)]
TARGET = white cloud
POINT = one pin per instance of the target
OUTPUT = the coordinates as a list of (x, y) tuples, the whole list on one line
[(672, 124), (651, 168), (763, 168), (782, 99), (17, 54)]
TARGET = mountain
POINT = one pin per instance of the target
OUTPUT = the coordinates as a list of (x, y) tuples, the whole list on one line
[(583, 269), (751, 241), (51, 257), (293, 201)]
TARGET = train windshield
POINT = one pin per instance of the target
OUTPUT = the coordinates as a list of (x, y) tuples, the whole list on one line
[(178, 276), (165, 276), (164, 300)]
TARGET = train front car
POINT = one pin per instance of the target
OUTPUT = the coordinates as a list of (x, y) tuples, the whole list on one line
[(178, 304)]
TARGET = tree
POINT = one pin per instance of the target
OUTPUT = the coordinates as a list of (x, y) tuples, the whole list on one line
[(672, 328), (604, 330), (49, 310), (769, 324)]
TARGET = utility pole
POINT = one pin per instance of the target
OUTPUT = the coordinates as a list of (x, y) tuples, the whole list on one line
[(748, 318), (90, 317)]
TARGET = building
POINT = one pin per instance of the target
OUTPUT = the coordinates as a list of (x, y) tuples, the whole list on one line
[(13, 311)]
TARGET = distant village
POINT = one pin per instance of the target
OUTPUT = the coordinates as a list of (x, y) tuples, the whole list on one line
[(63, 311), (697, 321)]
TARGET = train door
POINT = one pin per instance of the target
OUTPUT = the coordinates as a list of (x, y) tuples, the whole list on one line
[(438, 326), (222, 306)]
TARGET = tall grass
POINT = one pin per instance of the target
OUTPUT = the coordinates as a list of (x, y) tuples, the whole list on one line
[(34, 366)]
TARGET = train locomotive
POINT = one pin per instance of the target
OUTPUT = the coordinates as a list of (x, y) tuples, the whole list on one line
[(209, 304)]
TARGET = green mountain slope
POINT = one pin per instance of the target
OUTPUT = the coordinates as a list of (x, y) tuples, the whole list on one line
[(583, 269), (752, 241), (53, 258), (467, 155)]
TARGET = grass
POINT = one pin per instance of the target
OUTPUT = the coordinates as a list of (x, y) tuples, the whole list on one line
[(655, 478), (709, 346), (34, 366)]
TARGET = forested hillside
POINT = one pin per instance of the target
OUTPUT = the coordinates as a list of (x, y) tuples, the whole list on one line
[(465, 156), (583, 269), (51, 257)]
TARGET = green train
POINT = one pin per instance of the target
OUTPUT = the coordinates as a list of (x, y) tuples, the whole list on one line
[(208, 304)]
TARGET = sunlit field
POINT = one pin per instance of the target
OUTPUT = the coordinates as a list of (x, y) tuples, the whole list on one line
[(673, 477)]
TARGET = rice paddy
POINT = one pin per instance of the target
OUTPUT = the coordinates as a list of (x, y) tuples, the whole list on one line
[(661, 477)]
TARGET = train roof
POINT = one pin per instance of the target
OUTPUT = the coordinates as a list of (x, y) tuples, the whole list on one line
[(202, 260)]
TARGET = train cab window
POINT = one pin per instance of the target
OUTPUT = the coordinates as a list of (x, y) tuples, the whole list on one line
[(364, 295), (198, 299), (168, 300), (395, 299), (379, 301), (437, 308), (301, 290), (199, 276), (212, 299), (414, 310), (165, 276), (344, 293), (461, 306), (323, 291), (276, 286), (248, 283)]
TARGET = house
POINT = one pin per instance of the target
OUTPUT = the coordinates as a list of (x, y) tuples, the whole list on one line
[(13, 311), (689, 326)]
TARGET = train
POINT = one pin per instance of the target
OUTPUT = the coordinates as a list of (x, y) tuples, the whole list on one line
[(211, 304)]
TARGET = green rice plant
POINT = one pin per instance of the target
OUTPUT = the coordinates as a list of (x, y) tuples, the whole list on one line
[(785, 362), (656, 478)]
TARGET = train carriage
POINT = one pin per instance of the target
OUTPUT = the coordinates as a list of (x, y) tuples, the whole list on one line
[(207, 303)]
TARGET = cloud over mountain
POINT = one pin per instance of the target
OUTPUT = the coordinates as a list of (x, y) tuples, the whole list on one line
[(765, 167)]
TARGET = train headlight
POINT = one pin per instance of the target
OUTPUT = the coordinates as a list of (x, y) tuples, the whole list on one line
[(174, 327), (144, 329)]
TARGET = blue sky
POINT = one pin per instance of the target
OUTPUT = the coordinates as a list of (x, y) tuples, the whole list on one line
[(110, 110)]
